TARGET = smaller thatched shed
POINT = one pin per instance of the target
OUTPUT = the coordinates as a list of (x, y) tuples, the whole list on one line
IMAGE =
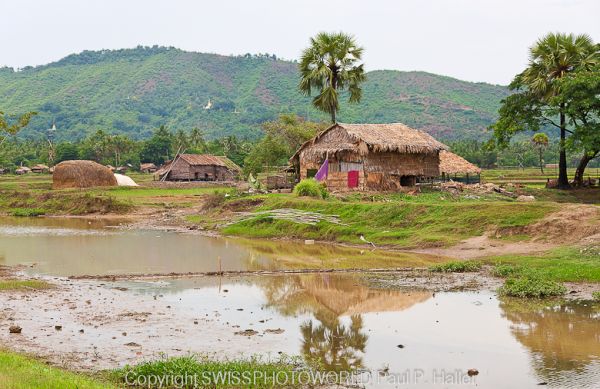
[(40, 168), (81, 174), (148, 167), (453, 165)]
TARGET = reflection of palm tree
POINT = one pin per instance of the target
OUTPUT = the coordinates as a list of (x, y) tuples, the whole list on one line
[(335, 346), (562, 337)]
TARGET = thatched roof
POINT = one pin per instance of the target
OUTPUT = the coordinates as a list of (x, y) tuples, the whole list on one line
[(365, 138), (202, 159), (81, 174), (148, 165), (229, 163), (451, 163)]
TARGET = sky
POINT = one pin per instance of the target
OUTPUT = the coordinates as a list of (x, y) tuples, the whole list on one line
[(474, 40)]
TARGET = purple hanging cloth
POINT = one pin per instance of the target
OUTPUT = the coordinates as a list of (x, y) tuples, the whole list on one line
[(323, 171)]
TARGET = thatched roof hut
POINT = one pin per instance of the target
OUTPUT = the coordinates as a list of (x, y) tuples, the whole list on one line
[(81, 174), (370, 156), (40, 168), (451, 163), (198, 167), (148, 167)]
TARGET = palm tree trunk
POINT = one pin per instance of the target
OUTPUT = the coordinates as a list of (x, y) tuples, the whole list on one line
[(563, 179), (583, 162), (542, 160), (333, 118)]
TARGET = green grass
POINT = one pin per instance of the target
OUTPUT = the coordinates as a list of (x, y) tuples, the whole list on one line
[(28, 212), (210, 373), (562, 264), (23, 284), (532, 284), (21, 372), (596, 295), (456, 267), (411, 221)]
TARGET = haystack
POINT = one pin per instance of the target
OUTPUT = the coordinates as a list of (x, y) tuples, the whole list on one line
[(81, 174)]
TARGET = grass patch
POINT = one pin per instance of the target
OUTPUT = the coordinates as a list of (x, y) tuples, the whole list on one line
[(532, 284), (563, 264), (21, 372), (456, 267), (23, 284), (394, 220), (28, 212), (596, 295), (210, 373)]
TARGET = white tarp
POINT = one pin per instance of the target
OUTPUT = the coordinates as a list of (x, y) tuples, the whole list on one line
[(123, 180)]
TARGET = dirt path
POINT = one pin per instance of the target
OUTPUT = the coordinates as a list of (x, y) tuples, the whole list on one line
[(572, 224)]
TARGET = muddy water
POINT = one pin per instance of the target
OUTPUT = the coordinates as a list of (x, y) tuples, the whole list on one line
[(98, 247), (341, 320)]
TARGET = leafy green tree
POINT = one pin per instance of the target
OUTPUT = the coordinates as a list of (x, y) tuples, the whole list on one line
[(197, 140), (182, 141), (12, 127), (535, 103), (66, 151), (540, 142), (580, 95), (282, 138), (330, 65), (159, 147)]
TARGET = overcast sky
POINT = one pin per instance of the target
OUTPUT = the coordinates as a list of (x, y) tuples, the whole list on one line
[(475, 40)]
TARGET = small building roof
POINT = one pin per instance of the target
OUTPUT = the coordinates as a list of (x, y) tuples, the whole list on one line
[(229, 163), (147, 165), (396, 137), (451, 163), (202, 159)]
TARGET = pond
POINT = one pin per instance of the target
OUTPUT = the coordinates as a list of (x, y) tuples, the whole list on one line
[(73, 246), (398, 337)]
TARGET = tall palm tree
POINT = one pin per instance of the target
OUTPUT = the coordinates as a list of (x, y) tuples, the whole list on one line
[(553, 57), (330, 65), (540, 141)]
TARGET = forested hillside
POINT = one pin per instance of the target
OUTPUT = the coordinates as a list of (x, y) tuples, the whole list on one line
[(133, 91)]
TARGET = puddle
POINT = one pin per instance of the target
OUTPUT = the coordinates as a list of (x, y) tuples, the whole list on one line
[(75, 247), (342, 322)]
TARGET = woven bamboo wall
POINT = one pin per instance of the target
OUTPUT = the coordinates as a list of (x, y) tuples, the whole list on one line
[(183, 171)]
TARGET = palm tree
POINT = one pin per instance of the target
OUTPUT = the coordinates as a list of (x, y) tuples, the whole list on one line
[(330, 65), (540, 141), (550, 59)]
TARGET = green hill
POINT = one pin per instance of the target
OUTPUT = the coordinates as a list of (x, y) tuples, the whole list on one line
[(133, 91)]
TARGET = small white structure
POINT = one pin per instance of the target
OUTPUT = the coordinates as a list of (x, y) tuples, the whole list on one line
[(123, 180)]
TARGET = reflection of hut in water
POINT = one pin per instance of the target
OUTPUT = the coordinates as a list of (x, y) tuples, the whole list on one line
[(561, 337), (335, 344)]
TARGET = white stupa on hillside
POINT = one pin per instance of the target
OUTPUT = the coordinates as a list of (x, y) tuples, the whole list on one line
[(208, 105)]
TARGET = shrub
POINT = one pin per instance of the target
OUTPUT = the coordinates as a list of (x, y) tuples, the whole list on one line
[(532, 284), (503, 270), (456, 267), (596, 295), (311, 188)]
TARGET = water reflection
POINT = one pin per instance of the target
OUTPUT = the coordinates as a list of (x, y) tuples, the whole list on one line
[(335, 338), (563, 337)]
